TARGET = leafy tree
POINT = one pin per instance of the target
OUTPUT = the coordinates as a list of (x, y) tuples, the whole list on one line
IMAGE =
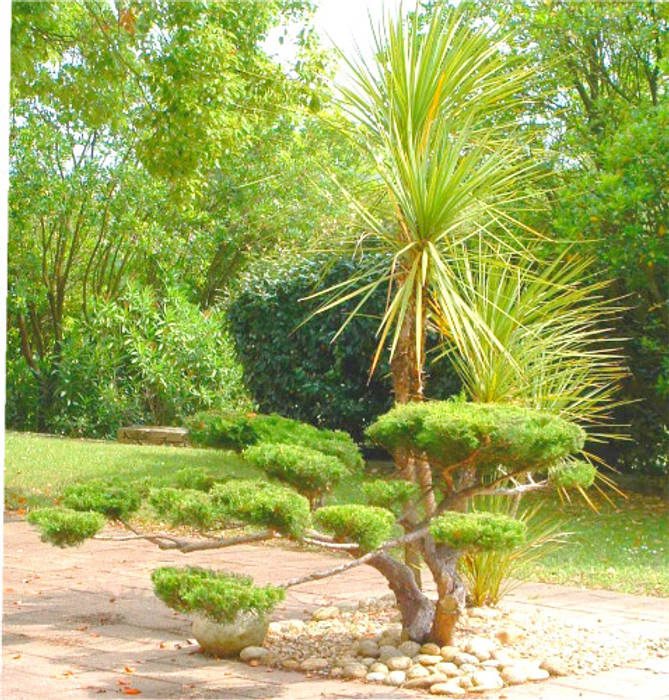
[(473, 449), (601, 80)]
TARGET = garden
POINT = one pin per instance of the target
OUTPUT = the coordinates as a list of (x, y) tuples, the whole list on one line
[(409, 305)]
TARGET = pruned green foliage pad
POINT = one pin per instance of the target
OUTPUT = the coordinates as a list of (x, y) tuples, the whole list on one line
[(218, 596), (390, 493), (65, 527), (237, 431), (450, 432), (183, 507), (478, 530), (309, 471), (369, 526), (111, 498), (194, 478), (261, 503), (573, 474)]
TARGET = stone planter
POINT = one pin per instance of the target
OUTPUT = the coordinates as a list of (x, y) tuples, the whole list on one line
[(229, 638)]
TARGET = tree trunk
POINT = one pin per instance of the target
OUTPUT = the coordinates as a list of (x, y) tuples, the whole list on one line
[(416, 608), (451, 591)]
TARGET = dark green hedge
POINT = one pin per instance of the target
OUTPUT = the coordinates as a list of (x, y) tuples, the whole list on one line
[(295, 370)]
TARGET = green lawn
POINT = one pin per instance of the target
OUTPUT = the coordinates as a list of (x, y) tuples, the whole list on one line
[(625, 548)]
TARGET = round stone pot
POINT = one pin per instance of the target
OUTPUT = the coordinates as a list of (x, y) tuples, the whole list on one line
[(229, 638)]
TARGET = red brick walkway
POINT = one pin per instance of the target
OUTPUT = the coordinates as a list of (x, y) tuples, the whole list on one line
[(83, 623)]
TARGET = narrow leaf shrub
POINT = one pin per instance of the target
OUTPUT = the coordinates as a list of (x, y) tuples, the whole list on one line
[(573, 474), (389, 493), (65, 527), (450, 432), (480, 530), (183, 507), (307, 470), (262, 503), (369, 526), (218, 596), (112, 499), (490, 574), (236, 431)]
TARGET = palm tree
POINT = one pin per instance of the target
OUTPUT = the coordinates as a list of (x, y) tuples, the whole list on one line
[(433, 112)]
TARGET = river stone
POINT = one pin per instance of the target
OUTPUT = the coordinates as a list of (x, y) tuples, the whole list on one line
[(554, 666), (417, 671), (395, 678), (462, 658), (375, 677), (290, 664), (430, 648), (492, 663), (447, 668), (327, 613), (514, 675), (465, 682), (378, 667), (505, 656), (387, 651), (449, 688), (428, 659), (248, 629), (507, 635), (490, 680), (469, 668), (409, 648), (315, 663), (448, 653), (399, 663), (354, 670), (368, 647), (419, 683), (534, 673), (367, 660), (480, 647), (252, 653)]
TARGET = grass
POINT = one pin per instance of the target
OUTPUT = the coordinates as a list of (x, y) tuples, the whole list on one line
[(623, 548)]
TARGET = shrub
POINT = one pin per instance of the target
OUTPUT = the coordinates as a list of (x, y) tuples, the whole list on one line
[(490, 574), (479, 530), (309, 471), (390, 494), (450, 432), (183, 507), (64, 527), (218, 596), (368, 526), (573, 474), (240, 430), (294, 368), (194, 478), (261, 503), (113, 499)]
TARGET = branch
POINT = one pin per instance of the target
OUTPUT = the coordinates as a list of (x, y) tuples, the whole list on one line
[(342, 546), (366, 558)]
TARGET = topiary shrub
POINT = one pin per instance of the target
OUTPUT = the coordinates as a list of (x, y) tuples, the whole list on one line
[(573, 474), (261, 503), (478, 530), (65, 527), (111, 498), (183, 507), (237, 431), (308, 470), (390, 493), (218, 596), (194, 478), (368, 526)]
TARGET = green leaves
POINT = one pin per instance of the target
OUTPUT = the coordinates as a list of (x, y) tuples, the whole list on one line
[(307, 470), (390, 494), (485, 531), (64, 527), (369, 526), (216, 595), (113, 499), (262, 503), (460, 434)]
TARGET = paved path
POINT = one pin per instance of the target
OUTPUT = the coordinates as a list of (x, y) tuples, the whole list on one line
[(83, 623)]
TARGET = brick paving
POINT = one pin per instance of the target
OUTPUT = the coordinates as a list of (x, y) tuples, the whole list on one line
[(83, 623)]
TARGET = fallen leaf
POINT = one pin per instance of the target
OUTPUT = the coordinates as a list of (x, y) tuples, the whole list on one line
[(21, 511), (112, 600), (9, 590), (162, 645), (16, 656), (22, 501), (131, 691), (128, 669), (123, 682)]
